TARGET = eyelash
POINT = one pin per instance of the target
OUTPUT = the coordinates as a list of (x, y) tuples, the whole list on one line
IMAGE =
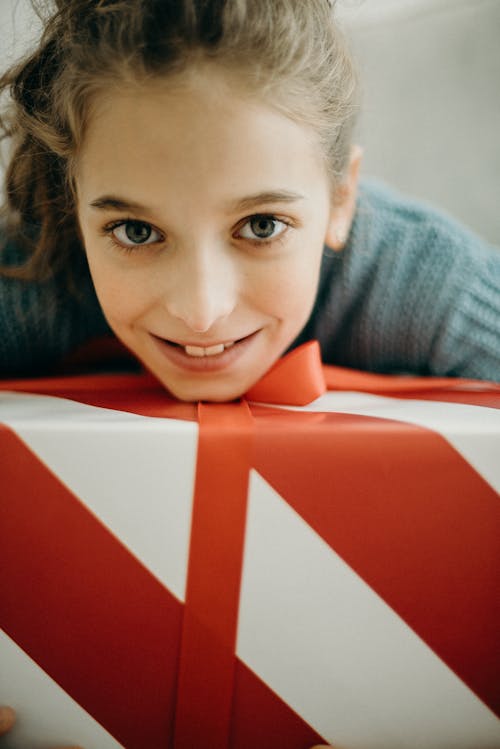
[(108, 230), (268, 217)]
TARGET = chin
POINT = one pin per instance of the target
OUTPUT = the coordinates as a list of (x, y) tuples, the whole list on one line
[(206, 395), (212, 392)]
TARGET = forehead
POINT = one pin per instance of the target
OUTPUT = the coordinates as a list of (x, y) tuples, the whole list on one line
[(199, 131)]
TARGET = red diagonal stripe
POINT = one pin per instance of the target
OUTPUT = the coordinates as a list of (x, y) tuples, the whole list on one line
[(82, 606), (409, 515), (207, 661), (261, 720)]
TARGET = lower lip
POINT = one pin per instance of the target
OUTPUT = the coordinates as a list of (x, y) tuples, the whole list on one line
[(204, 364)]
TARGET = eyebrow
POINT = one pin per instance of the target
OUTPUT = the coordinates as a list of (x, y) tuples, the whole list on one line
[(113, 202), (261, 198)]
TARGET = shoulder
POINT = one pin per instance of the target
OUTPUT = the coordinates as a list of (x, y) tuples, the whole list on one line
[(42, 320), (412, 245), (388, 217), (414, 290)]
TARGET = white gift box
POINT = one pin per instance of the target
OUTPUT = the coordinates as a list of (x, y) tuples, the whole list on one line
[(367, 600)]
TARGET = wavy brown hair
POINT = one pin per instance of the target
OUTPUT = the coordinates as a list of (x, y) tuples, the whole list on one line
[(289, 51)]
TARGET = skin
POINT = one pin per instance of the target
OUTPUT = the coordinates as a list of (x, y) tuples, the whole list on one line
[(189, 151), (8, 719)]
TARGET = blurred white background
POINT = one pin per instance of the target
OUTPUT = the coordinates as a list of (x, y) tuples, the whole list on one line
[(430, 120), (431, 101)]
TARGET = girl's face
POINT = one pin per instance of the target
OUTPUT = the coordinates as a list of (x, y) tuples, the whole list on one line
[(203, 214)]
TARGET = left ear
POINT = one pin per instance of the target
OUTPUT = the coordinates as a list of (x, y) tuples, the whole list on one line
[(344, 203)]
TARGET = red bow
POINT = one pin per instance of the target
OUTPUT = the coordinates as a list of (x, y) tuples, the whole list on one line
[(295, 380)]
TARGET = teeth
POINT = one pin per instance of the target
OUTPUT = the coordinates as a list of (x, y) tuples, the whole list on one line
[(212, 350), (209, 351), (194, 350)]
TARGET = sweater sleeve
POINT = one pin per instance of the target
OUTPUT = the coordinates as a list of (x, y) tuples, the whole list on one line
[(467, 337), (413, 292), (41, 323)]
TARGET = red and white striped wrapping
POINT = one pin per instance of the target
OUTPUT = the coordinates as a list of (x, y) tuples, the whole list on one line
[(249, 575)]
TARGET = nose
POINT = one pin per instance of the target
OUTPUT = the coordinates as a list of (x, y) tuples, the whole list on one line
[(202, 288)]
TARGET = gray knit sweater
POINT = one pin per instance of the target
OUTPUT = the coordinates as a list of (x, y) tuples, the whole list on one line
[(413, 291)]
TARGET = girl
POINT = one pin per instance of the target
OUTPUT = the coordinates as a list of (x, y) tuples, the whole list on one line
[(183, 175), (197, 157)]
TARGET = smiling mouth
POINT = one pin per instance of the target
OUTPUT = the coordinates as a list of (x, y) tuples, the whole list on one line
[(199, 352), (205, 360)]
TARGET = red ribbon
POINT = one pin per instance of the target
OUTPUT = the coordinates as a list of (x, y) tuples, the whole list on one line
[(295, 380), (207, 658), (299, 377)]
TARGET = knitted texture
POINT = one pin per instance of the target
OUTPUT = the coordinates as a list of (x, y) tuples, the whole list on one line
[(41, 323), (412, 291)]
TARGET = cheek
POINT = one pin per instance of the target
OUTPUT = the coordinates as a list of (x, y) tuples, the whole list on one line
[(291, 290), (123, 296)]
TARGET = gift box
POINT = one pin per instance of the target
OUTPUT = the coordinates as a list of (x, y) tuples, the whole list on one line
[(250, 574)]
